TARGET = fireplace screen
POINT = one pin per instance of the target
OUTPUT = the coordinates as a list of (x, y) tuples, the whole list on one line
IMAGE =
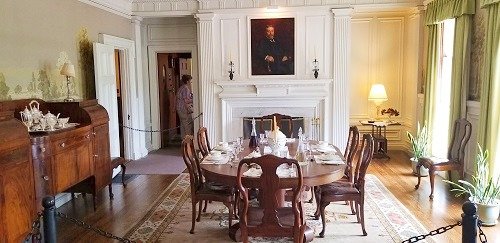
[(287, 124)]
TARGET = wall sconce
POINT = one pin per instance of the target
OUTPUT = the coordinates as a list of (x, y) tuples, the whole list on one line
[(315, 69), (231, 72), (68, 70), (378, 96)]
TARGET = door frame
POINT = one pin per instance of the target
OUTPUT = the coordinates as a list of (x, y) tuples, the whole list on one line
[(154, 96), (129, 94)]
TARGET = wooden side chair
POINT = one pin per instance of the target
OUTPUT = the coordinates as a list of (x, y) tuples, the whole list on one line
[(201, 191), (345, 191), (456, 155), (268, 219), (203, 142), (350, 151)]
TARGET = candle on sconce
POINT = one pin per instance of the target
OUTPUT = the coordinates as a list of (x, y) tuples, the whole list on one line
[(230, 56), (315, 52), (164, 71)]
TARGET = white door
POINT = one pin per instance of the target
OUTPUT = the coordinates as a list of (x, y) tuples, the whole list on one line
[(105, 87)]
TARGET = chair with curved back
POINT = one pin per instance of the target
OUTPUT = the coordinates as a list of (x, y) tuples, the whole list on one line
[(456, 155), (350, 151), (344, 191), (203, 142), (201, 191), (268, 219)]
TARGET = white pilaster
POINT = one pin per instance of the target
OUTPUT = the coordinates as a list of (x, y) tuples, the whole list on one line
[(136, 23), (207, 95), (341, 76)]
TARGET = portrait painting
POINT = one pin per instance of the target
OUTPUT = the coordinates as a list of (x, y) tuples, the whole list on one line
[(272, 46)]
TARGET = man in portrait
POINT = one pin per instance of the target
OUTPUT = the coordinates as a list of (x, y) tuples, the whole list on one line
[(270, 58)]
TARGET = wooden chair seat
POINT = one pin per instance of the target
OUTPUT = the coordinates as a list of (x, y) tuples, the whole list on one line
[(337, 189), (214, 191)]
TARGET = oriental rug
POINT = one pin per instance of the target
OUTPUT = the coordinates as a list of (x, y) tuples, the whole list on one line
[(169, 219)]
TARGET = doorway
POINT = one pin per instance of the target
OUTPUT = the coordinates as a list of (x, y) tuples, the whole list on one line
[(119, 100), (171, 67)]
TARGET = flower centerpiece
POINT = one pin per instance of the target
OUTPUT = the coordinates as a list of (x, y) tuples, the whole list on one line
[(419, 146), (484, 190), (390, 112)]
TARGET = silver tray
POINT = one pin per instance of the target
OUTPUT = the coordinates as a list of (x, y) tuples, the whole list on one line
[(56, 128)]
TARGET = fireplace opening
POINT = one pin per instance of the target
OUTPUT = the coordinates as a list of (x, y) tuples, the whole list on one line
[(288, 125)]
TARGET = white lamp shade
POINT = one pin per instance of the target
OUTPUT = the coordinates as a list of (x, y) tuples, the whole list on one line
[(377, 94), (68, 70)]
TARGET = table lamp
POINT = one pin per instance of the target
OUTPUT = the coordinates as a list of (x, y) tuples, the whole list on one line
[(68, 70), (378, 96)]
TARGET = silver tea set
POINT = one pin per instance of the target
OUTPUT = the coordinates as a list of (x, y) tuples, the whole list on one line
[(34, 119)]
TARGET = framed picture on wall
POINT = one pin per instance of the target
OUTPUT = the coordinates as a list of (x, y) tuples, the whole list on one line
[(272, 46)]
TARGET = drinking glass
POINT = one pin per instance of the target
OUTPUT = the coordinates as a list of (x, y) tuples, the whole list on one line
[(240, 140), (261, 138)]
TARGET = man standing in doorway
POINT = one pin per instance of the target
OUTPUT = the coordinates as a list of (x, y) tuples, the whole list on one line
[(184, 106)]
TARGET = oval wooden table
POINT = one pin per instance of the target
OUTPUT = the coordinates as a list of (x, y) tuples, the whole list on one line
[(314, 174)]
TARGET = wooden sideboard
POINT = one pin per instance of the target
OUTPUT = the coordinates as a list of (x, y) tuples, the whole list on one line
[(37, 164)]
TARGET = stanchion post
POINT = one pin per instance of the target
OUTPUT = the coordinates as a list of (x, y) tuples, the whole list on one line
[(469, 223), (49, 220)]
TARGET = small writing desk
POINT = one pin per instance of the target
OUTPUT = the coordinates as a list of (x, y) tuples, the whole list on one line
[(379, 130)]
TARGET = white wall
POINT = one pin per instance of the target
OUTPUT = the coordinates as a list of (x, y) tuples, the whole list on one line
[(385, 49)]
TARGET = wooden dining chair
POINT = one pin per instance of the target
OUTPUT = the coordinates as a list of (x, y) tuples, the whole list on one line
[(200, 190), (346, 191), (268, 219), (456, 155), (203, 142), (350, 151)]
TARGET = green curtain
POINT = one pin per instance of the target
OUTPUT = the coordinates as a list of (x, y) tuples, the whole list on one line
[(439, 10), (433, 50), (460, 68), (489, 120), (488, 2)]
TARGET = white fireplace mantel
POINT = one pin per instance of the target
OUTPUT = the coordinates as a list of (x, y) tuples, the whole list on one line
[(299, 98), (274, 88)]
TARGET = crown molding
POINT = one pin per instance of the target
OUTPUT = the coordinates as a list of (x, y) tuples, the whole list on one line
[(190, 7), (119, 7)]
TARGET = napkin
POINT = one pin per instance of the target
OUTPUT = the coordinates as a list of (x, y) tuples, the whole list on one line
[(325, 149), (223, 149), (337, 160), (253, 172), (209, 160), (254, 154), (282, 171)]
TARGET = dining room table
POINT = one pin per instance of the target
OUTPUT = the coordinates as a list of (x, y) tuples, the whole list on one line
[(314, 171)]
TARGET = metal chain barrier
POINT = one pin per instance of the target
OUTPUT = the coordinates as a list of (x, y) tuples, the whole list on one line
[(35, 233), (437, 231), (90, 227), (482, 236), (161, 130)]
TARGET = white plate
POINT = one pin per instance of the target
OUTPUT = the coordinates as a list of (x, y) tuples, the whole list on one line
[(213, 158)]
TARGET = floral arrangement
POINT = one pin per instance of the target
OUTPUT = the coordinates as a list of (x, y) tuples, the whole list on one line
[(390, 111)]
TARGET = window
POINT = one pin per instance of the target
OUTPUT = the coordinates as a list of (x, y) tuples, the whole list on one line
[(441, 123)]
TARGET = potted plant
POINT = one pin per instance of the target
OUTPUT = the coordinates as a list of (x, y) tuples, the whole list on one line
[(483, 191), (419, 148)]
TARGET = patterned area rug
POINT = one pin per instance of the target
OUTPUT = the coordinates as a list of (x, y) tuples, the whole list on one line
[(169, 220)]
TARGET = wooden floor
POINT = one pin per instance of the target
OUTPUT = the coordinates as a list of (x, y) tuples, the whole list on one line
[(132, 202)]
